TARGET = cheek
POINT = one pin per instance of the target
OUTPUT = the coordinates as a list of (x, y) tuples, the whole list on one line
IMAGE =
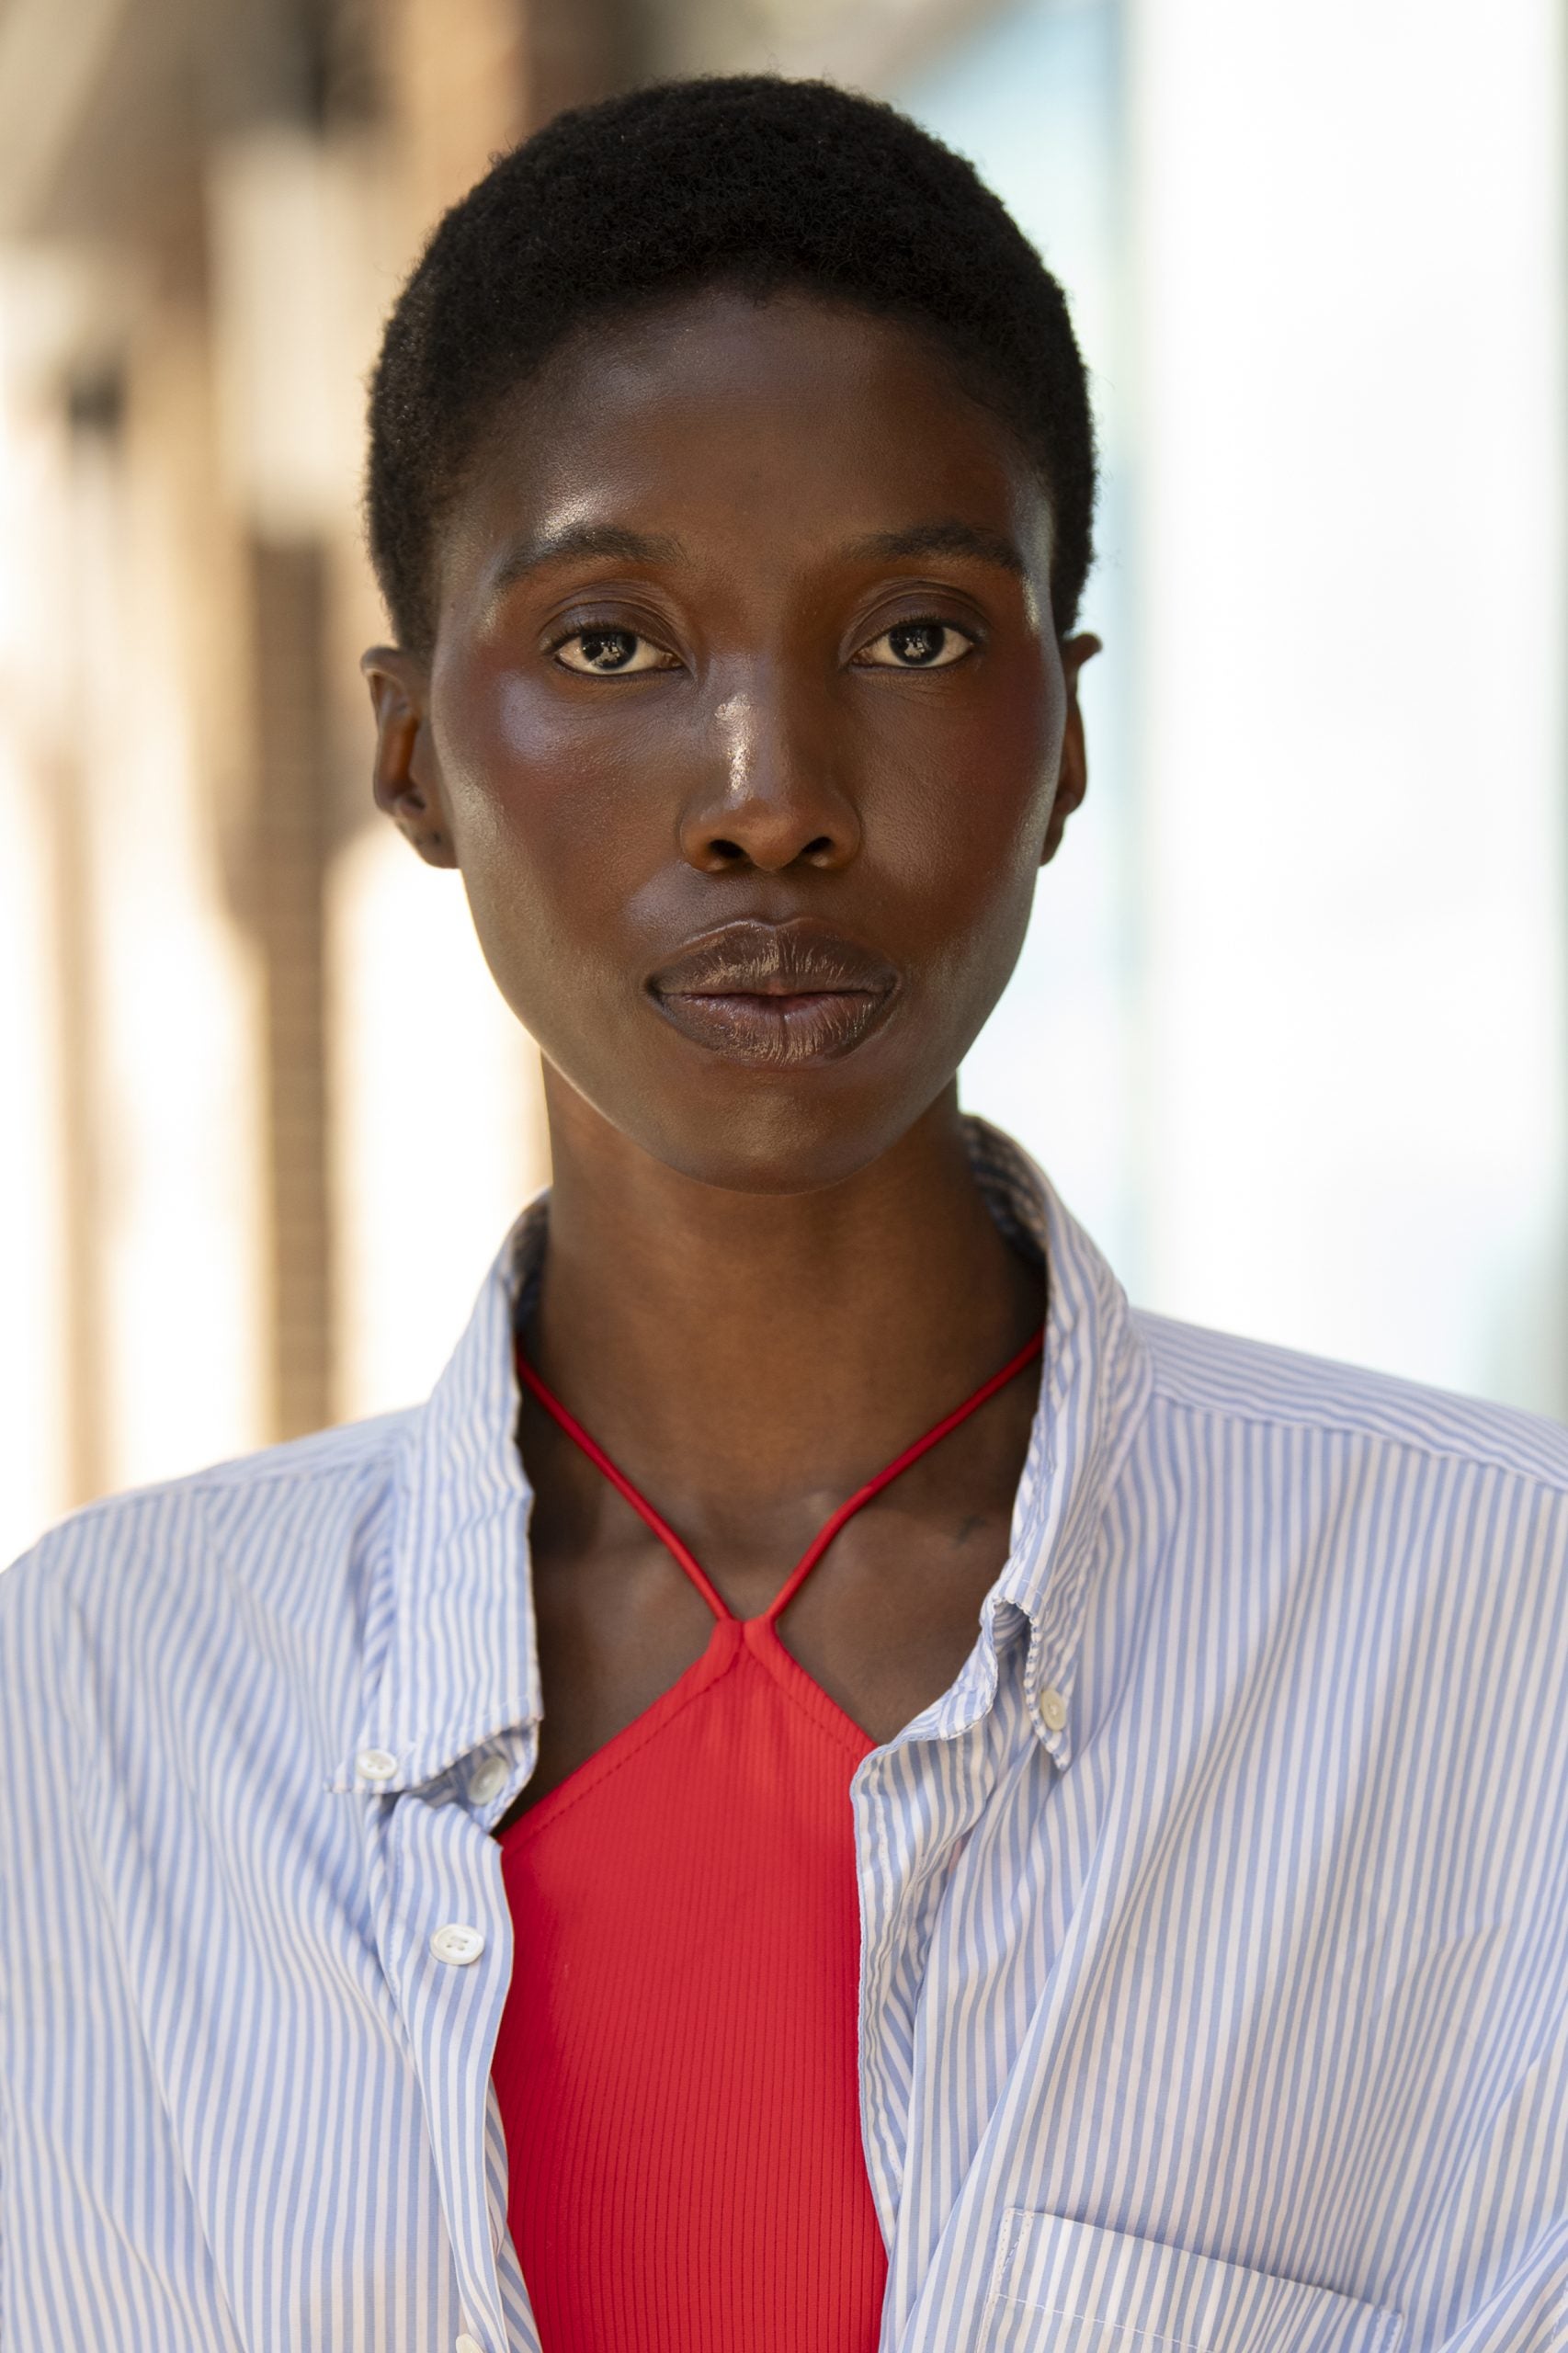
[(533, 813), (977, 790), (979, 798), (522, 832)]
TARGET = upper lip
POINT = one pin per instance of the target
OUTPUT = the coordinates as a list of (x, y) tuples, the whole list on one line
[(800, 958)]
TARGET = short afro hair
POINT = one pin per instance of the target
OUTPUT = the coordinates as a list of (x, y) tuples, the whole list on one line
[(753, 182)]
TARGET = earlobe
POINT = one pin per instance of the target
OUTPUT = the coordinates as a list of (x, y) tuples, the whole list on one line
[(406, 776), (1071, 783), (1073, 772)]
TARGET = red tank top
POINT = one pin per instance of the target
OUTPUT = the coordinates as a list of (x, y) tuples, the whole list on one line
[(677, 2066)]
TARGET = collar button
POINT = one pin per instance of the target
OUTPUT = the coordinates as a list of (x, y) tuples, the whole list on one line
[(488, 1779)]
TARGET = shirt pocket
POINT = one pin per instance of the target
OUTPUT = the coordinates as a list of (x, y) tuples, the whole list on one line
[(1077, 2289)]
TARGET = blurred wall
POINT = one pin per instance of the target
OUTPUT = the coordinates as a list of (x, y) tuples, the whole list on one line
[(257, 1083), (1289, 1027)]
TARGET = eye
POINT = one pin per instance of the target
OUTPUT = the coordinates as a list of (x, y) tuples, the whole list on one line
[(610, 654), (918, 645)]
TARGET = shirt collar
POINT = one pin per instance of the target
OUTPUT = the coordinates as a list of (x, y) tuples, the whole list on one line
[(458, 1666), (1094, 1382)]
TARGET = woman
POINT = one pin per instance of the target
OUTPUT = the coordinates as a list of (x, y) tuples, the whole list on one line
[(833, 1787)]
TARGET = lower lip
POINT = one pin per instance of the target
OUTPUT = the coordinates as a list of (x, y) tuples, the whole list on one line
[(780, 1032)]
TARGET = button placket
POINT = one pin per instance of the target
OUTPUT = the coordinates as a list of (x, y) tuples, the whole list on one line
[(879, 1869), (458, 1944), (443, 1930)]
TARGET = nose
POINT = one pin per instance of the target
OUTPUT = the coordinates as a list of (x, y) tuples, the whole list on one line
[(770, 799)]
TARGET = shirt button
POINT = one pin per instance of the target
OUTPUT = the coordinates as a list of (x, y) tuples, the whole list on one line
[(466, 2344), (458, 1944), (1052, 1709), (488, 1779), (375, 1764)]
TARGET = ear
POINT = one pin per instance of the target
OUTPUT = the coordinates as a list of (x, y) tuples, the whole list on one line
[(406, 777), (1072, 776)]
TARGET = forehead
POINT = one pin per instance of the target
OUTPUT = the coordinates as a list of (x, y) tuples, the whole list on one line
[(759, 424)]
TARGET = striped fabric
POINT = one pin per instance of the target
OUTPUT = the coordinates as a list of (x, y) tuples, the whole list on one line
[(1214, 1984)]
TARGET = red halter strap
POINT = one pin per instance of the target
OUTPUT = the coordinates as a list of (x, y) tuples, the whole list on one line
[(830, 1528)]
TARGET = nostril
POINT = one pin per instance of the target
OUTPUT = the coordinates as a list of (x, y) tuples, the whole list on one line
[(722, 854)]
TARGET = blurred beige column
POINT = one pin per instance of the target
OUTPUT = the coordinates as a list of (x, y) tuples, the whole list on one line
[(127, 1311), (49, 1443), (281, 207), (470, 77), (394, 1076), (458, 74)]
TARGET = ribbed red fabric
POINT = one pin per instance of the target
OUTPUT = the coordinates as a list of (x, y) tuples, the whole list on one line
[(677, 2066)]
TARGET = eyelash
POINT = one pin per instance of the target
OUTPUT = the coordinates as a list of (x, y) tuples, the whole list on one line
[(922, 621), (600, 629)]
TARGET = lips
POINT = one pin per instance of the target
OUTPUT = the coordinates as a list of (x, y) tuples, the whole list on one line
[(778, 995)]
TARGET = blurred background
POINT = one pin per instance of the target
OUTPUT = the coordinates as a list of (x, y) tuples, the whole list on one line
[(1289, 1029)]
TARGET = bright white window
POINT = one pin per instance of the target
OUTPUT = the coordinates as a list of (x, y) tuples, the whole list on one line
[(1289, 1030)]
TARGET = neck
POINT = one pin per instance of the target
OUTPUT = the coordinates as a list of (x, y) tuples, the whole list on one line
[(738, 1345)]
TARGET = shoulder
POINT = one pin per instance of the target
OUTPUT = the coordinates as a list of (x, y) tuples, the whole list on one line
[(229, 1515), (1430, 1529), (1237, 1382)]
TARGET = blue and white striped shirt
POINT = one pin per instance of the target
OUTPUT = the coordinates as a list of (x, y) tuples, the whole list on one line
[(1214, 1987)]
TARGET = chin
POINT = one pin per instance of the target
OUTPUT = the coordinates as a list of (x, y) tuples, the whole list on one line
[(775, 1143), (741, 1133), (717, 1122)]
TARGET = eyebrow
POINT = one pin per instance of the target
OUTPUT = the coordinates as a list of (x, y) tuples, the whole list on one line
[(577, 541), (947, 537)]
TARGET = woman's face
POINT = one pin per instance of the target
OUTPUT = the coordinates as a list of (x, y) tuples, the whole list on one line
[(747, 726)]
